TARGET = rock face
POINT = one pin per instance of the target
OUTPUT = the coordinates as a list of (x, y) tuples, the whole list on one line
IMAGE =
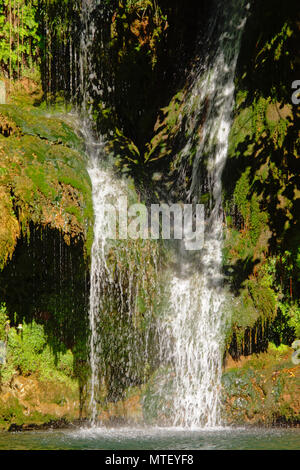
[(46, 233), (28, 401), (261, 186), (43, 178), (262, 389)]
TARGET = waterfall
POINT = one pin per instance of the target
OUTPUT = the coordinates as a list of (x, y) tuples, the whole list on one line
[(192, 334), (120, 334), (104, 191), (121, 293)]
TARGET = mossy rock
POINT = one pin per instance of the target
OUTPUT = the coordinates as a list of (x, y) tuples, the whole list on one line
[(264, 390), (40, 123), (43, 178)]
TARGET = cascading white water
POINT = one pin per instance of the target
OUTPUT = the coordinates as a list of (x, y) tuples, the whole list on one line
[(107, 290), (118, 287), (192, 335), (104, 192)]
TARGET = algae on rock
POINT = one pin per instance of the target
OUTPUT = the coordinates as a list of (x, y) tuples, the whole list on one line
[(43, 178)]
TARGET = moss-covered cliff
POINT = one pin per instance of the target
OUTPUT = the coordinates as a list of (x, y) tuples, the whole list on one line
[(147, 54), (262, 389), (46, 234), (261, 184), (43, 177)]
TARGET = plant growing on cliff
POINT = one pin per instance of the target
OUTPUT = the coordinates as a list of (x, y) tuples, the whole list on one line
[(19, 37), (28, 352), (3, 321)]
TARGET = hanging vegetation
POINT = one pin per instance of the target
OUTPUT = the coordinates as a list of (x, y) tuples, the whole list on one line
[(19, 36)]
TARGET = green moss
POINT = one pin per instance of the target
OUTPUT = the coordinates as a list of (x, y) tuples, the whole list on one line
[(260, 194), (39, 122), (11, 412), (44, 168), (29, 354), (263, 390)]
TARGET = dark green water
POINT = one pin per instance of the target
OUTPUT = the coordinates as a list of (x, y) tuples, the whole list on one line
[(153, 439)]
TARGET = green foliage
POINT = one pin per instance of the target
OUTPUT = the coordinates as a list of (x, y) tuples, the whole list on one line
[(249, 207), (28, 353), (39, 122), (261, 181), (12, 412), (3, 322), (143, 23), (287, 323), (241, 194), (281, 350), (25, 348), (19, 37)]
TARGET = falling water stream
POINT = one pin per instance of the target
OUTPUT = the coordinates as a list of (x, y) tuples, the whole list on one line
[(104, 191), (192, 332)]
